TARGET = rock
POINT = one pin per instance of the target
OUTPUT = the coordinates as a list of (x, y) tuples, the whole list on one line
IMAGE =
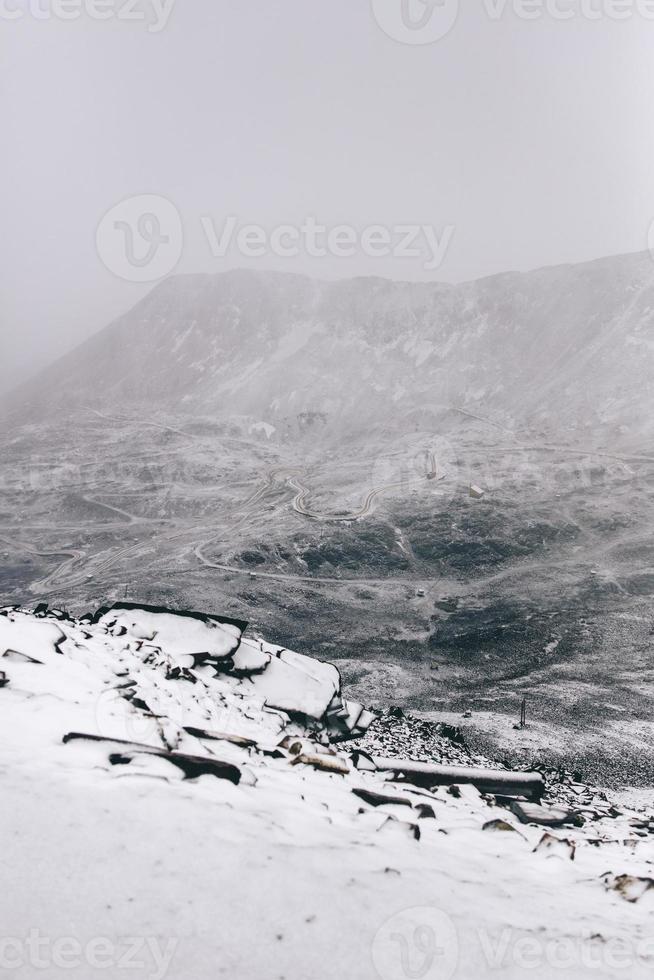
[(186, 636), (447, 604), (552, 846), (500, 827), (452, 733), (292, 744), (628, 887), (545, 816), (470, 793), (393, 825), (363, 761), (240, 740), (380, 799), (327, 763), (640, 823), (191, 765)]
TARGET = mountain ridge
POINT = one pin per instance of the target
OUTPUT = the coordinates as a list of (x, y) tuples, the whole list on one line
[(562, 348)]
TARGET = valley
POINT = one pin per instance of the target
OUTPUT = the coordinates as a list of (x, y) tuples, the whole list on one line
[(452, 606), (447, 490)]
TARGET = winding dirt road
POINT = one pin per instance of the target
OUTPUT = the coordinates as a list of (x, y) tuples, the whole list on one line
[(72, 557), (300, 501), (299, 505), (68, 574)]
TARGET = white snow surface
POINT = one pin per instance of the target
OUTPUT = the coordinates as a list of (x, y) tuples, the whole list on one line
[(288, 875), (181, 637)]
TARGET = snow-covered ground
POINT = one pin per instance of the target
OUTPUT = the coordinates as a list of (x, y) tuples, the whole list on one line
[(210, 828)]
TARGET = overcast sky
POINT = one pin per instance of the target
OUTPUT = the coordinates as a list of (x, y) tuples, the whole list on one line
[(532, 141)]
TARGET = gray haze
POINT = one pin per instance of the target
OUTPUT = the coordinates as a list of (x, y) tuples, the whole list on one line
[(533, 139)]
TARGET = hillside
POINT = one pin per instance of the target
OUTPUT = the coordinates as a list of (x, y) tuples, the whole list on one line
[(565, 350), (176, 788)]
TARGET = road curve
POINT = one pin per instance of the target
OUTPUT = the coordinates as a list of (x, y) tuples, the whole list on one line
[(71, 555), (300, 501)]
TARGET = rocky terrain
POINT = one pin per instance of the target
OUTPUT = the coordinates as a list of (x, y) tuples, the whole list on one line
[(234, 778)]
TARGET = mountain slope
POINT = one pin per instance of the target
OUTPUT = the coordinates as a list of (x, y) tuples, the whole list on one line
[(140, 837), (565, 348)]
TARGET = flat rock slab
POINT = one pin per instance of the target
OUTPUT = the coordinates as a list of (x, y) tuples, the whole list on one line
[(381, 799), (544, 816), (191, 765)]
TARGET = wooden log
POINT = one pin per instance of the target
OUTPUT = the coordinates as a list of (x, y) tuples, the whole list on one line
[(328, 763), (499, 781)]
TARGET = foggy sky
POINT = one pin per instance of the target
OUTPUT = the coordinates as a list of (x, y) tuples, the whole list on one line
[(533, 139)]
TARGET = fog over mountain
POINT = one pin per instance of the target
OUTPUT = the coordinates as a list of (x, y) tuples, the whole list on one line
[(567, 350)]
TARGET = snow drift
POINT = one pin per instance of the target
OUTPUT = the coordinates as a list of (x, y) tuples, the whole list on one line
[(181, 797)]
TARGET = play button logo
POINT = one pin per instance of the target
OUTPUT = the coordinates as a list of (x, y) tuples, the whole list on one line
[(416, 21)]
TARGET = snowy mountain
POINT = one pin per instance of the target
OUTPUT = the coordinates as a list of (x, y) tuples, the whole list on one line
[(564, 349), (188, 777)]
